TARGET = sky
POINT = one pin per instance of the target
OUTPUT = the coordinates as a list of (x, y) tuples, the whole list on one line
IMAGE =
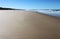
[(31, 4)]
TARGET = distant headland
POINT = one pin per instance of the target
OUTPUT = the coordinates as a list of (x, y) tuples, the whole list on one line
[(1, 8)]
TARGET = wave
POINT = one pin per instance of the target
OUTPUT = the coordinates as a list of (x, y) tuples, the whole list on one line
[(49, 12)]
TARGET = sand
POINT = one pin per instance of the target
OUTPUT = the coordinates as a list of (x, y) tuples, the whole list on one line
[(16, 24)]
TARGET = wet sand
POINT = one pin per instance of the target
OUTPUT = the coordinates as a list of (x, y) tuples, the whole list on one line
[(16, 24)]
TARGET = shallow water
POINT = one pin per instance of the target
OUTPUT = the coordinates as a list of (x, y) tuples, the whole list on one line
[(47, 12)]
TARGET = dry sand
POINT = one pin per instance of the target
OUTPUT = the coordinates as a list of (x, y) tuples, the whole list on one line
[(15, 24)]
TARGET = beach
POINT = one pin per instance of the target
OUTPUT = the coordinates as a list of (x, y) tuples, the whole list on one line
[(19, 24)]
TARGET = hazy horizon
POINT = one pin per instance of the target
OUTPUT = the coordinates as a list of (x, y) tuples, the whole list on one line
[(31, 4)]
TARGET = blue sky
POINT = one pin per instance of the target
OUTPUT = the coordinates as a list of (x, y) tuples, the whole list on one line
[(31, 4)]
